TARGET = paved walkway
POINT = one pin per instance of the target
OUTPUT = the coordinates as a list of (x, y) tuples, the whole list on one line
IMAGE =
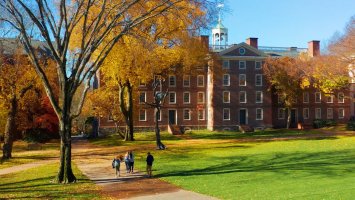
[(95, 163), (26, 166)]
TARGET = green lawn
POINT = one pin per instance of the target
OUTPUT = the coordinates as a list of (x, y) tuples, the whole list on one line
[(36, 183), (21, 155), (227, 167)]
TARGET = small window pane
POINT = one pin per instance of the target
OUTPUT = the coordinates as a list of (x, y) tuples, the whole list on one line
[(259, 97), (317, 97), (242, 65), (242, 97), (187, 114), (201, 114), (226, 80), (200, 97), (225, 64), (226, 97), (172, 97), (172, 81), (186, 97), (341, 113), (142, 115), (258, 80), (259, 114), (186, 80), (226, 114), (257, 65), (341, 97), (200, 81), (242, 80)]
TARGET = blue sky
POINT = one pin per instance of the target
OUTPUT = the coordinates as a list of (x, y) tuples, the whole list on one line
[(286, 23)]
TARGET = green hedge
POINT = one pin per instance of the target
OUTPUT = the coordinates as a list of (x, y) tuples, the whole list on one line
[(351, 124), (320, 123)]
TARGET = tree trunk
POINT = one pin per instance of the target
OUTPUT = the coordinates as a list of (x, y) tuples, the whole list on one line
[(160, 145), (65, 173), (9, 130), (130, 111), (127, 109), (288, 118)]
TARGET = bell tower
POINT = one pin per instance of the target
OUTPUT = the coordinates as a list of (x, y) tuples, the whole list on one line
[(219, 33)]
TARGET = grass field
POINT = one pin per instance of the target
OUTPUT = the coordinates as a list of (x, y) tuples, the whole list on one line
[(231, 165), (21, 155), (36, 183)]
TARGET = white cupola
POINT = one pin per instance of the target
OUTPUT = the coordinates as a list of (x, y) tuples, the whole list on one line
[(219, 34)]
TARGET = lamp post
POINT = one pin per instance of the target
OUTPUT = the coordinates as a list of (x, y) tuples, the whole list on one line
[(159, 97)]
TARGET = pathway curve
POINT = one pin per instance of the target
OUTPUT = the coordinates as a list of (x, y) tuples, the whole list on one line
[(95, 163)]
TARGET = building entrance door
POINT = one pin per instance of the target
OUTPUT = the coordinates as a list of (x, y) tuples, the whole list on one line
[(293, 123), (172, 117), (242, 116)]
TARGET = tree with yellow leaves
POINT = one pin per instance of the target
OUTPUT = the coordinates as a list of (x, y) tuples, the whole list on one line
[(17, 78), (98, 26)]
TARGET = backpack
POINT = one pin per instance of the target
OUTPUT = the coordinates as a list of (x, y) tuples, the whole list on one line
[(115, 163)]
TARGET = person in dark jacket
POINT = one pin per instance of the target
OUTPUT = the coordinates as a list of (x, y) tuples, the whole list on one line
[(149, 160)]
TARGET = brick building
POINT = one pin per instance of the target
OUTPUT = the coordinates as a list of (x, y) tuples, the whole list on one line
[(238, 94)]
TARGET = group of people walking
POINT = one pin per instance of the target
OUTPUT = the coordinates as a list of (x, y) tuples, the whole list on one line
[(128, 159)]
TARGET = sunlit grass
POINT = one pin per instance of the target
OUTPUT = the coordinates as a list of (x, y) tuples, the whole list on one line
[(37, 183), (232, 165), (21, 155)]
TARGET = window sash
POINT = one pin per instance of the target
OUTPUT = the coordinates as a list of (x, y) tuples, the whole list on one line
[(172, 97), (259, 114), (200, 81), (259, 97), (186, 80), (242, 64), (187, 97), (226, 97), (172, 81), (258, 80), (187, 114), (242, 97), (242, 80), (226, 114)]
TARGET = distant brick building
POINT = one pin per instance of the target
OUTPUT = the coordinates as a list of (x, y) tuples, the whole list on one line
[(238, 95)]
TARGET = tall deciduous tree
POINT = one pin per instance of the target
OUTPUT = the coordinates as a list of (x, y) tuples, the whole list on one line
[(286, 79), (102, 24), (17, 79)]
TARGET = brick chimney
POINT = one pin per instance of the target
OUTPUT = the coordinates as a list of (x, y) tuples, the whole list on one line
[(252, 42), (204, 40), (313, 48)]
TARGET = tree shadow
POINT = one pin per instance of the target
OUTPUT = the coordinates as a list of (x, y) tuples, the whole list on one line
[(327, 164)]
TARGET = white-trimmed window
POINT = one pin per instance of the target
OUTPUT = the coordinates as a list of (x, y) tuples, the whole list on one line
[(226, 80), (226, 114), (142, 97), (305, 97), (258, 80), (226, 97), (142, 115), (340, 97), (172, 97), (242, 80), (201, 114), (242, 97), (200, 97), (258, 97), (341, 113), (200, 81), (172, 81), (225, 64), (281, 113), (187, 114), (305, 113), (257, 64), (318, 113), (186, 80), (329, 113), (317, 97), (242, 64), (259, 114), (186, 97), (330, 99), (159, 115)]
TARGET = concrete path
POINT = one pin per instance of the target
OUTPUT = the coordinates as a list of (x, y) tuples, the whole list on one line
[(22, 167), (95, 163)]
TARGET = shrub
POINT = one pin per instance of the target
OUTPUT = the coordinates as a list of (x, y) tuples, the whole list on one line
[(351, 124), (38, 135), (320, 123)]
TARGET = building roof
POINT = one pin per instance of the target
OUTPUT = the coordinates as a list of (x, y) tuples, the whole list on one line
[(9, 46)]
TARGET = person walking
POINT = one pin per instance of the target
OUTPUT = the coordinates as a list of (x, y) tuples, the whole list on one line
[(131, 161), (149, 160), (116, 165), (126, 160)]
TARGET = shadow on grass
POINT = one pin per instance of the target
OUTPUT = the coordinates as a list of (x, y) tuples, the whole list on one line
[(327, 164)]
